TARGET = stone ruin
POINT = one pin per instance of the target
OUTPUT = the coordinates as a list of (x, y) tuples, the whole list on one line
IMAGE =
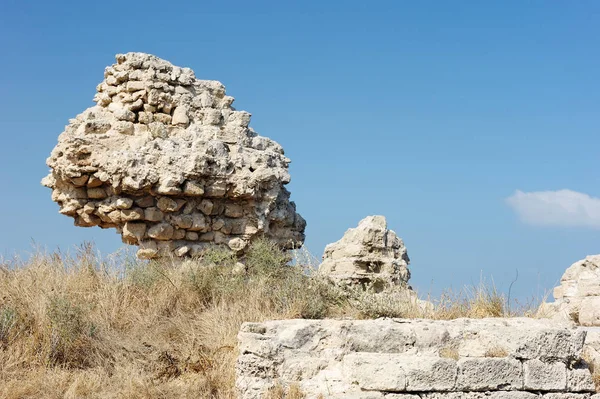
[(577, 298), (496, 358), (369, 256), (167, 161)]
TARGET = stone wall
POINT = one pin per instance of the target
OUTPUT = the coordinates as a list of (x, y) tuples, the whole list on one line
[(515, 358), (166, 160)]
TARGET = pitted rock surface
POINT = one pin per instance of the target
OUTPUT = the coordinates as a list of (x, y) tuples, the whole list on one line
[(577, 297), (167, 161), (503, 358), (369, 256)]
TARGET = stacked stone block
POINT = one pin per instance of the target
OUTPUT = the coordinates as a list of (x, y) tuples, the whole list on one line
[(577, 298), (413, 359), (168, 162), (369, 256)]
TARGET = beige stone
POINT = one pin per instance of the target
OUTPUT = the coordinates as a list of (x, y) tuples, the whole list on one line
[(172, 144), (161, 231), (370, 256), (153, 214)]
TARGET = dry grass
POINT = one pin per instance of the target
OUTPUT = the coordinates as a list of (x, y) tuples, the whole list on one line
[(449, 352), (77, 326), (278, 391), (496, 351), (594, 366)]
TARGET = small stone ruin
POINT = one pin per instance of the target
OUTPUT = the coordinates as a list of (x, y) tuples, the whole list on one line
[(577, 298), (369, 256), (165, 160)]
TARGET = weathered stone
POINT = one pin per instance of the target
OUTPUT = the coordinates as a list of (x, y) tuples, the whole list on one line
[(159, 137), (234, 211), (578, 296), (132, 214), (178, 234), (369, 255), (167, 204), (482, 374), (184, 221), (206, 206), (544, 376), (134, 231), (589, 311), (400, 357), (579, 379), (236, 244), (193, 189), (199, 223), (96, 193), (161, 231), (191, 236), (124, 203), (153, 215), (375, 371), (80, 181)]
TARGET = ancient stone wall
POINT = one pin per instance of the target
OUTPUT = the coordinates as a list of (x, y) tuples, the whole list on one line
[(516, 358), (168, 162)]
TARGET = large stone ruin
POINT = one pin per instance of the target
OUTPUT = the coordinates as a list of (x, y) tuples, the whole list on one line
[(369, 256), (577, 298), (167, 161), (496, 358)]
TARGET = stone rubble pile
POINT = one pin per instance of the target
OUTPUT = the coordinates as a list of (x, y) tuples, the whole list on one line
[(511, 358), (167, 161), (577, 298), (368, 256)]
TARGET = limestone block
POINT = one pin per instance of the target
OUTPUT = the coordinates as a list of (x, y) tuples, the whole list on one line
[(481, 374), (152, 214), (576, 297), (161, 231), (589, 311), (425, 373), (377, 372), (544, 376), (579, 379), (134, 231)]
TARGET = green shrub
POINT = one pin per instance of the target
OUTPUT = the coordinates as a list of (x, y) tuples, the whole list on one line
[(70, 333), (8, 323), (265, 258)]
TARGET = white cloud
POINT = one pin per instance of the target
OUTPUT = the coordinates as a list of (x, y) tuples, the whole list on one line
[(556, 208)]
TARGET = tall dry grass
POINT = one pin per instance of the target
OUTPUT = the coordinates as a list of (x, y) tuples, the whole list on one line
[(77, 327)]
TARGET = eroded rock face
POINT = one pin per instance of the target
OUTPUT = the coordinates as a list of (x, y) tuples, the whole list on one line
[(370, 256), (168, 162), (577, 297), (414, 359)]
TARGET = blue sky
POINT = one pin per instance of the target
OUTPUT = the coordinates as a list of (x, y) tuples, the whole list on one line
[(431, 113)]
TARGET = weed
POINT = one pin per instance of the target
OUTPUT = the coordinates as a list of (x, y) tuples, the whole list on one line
[(449, 352), (496, 351), (8, 323)]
